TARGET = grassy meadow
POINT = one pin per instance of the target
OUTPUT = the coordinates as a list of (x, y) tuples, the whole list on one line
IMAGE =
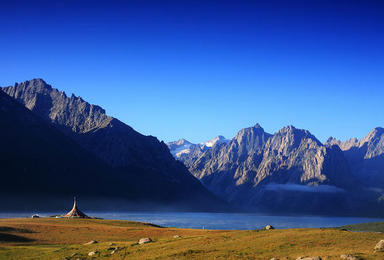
[(50, 238)]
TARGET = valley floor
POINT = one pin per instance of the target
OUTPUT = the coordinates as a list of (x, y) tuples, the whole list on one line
[(49, 238)]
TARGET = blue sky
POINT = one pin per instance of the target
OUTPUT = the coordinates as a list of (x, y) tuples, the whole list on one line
[(197, 69)]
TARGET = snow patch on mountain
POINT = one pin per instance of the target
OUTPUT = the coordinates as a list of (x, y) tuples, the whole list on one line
[(182, 146), (212, 142)]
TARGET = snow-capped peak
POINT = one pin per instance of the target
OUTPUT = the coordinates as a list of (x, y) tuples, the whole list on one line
[(212, 142), (179, 147), (182, 146)]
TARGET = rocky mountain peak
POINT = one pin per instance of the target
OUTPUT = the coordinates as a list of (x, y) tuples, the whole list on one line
[(370, 146), (346, 145), (291, 136), (37, 83), (179, 147), (250, 140), (373, 135), (249, 132), (53, 105), (290, 129), (373, 143), (182, 141), (332, 141), (212, 142)]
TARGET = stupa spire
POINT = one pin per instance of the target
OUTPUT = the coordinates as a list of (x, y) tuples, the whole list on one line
[(75, 212)]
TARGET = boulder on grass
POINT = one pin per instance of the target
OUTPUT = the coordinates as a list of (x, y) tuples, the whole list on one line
[(380, 246), (91, 242), (308, 258), (349, 257), (268, 227), (144, 240), (92, 253)]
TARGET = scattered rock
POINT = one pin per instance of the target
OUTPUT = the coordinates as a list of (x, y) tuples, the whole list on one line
[(274, 258), (115, 249), (74, 254), (308, 258), (349, 257), (92, 253), (268, 227), (91, 242), (111, 244), (65, 258), (176, 236), (144, 240), (380, 246)]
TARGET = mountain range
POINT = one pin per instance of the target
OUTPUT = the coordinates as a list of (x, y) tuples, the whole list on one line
[(61, 146), (292, 171), (55, 146)]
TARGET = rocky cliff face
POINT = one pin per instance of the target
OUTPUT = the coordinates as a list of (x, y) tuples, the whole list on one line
[(109, 139), (228, 168), (374, 142), (71, 113), (372, 145), (366, 157), (296, 156)]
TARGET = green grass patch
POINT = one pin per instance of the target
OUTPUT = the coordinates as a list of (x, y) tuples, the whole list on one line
[(366, 227)]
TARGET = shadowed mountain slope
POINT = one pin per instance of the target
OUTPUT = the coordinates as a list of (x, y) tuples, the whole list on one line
[(39, 159)]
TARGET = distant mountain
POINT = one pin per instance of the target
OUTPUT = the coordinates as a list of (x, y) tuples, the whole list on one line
[(188, 152), (217, 140), (177, 148), (142, 167), (183, 147), (290, 171)]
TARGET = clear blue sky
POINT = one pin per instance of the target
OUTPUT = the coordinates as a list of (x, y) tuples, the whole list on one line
[(196, 69)]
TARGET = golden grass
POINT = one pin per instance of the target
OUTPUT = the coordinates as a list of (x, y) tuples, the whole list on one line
[(49, 238)]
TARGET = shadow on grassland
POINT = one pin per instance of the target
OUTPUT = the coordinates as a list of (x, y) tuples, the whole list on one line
[(4, 237)]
